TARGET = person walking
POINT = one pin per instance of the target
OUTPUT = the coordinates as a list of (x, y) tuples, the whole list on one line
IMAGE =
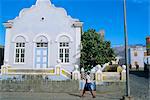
[(88, 85)]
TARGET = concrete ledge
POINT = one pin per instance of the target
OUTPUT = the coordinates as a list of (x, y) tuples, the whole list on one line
[(39, 86)]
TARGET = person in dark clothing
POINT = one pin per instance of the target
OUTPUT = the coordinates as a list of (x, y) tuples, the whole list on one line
[(130, 66), (137, 67)]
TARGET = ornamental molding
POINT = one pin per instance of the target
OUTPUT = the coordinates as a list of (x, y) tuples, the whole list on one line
[(20, 35), (63, 34), (44, 35)]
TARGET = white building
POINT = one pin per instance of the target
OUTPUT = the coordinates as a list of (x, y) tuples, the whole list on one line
[(40, 35), (137, 55)]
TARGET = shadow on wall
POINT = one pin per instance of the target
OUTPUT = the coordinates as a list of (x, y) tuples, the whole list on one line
[(1, 55)]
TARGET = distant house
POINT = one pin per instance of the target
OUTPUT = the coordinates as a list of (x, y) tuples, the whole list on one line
[(41, 35), (137, 56)]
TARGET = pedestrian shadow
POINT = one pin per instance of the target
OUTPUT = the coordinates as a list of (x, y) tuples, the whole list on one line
[(73, 94), (108, 97)]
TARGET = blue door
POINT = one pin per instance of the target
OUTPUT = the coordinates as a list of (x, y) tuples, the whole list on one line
[(41, 57)]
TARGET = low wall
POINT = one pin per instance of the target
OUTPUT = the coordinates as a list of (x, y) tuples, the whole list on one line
[(111, 87), (38, 86), (68, 86), (36, 83)]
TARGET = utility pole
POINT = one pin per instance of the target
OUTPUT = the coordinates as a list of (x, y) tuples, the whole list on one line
[(126, 51)]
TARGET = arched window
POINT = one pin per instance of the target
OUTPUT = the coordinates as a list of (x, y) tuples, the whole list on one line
[(64, 49), (41, 42), (20, 49)]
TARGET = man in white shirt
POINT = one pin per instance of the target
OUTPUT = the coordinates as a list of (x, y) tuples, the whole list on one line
[(88, 85)]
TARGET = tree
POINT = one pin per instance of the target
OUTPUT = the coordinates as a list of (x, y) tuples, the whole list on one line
[(95, 50)]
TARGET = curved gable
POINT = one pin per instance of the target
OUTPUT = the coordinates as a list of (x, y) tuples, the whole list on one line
[(43, 12)]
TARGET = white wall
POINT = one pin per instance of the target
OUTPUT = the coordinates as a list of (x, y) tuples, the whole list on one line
[(139, 58), (30, 24)]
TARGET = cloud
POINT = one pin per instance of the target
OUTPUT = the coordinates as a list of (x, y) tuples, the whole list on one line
[(140, 1)]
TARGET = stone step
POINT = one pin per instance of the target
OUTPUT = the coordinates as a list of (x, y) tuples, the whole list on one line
[(57, 77)]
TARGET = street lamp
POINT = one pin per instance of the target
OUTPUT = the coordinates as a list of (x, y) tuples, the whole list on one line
[(126, 51)]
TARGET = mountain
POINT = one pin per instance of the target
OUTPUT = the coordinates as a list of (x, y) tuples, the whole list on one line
[(119, 51)]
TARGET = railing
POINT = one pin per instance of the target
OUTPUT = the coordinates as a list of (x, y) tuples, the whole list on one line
[(66, 73), (98, 76), (14, 71), (48, 71)]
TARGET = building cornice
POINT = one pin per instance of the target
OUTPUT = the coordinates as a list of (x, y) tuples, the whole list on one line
[(8, 24), (78, 24)]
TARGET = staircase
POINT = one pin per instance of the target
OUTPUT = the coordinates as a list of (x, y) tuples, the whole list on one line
[(56, 74), (60, 74), (57, 77)]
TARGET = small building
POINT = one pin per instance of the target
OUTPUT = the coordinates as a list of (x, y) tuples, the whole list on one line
[(41, 35), (137, 56)]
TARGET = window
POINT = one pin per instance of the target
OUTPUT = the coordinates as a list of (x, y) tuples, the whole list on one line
[(41, 44), (20, 53), (64, 52), (135, 54), (145, 54)]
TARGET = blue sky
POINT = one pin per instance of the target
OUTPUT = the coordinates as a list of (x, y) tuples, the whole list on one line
[(96, 14)]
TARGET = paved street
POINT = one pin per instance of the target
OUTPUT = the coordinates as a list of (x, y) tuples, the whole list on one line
[(55, 96), (139, 82)]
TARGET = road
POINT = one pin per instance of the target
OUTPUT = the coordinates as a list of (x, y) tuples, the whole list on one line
[(139, 83)]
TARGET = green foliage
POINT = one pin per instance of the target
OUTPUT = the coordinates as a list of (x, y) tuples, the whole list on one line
[(112, 68), (95, 50)]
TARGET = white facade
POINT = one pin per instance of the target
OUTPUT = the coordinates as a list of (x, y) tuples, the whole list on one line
[(40, 35), (137, 56)]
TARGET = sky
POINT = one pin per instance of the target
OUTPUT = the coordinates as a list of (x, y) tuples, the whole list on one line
[(96, 14)]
